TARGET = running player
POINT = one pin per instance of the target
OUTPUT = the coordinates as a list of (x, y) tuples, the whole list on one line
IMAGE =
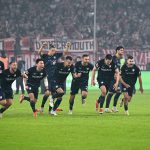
[(50, 61), (82, 69), (35, 75), (129, 74), (106, 80), (62, 71), (1, 70), (117, 61), (8, 76)]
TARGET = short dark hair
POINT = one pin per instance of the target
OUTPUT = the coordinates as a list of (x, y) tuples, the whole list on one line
[(118, 48), (69, 58), (38, 60), (129, 57), (108, 57), (85, 55), (12, 61)]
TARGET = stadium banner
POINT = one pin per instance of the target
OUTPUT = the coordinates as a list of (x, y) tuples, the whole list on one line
[(29, 47), (8, 44), (76, 45)]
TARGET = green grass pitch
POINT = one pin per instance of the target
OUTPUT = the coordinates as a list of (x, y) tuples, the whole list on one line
[(84, 130)]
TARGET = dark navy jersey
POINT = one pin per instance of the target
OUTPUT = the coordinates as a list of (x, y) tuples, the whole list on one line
[(50, 63), (7, 78), (117, 61), (1, 66), (130, 74), (35, 76), (84, 70), (105, 72), (61, 72)]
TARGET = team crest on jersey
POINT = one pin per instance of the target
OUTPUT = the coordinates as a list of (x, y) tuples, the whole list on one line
[(69, 69), (41, 73), (87, 68), (14, 75), (133, 70), (54, 62), (102, 82)]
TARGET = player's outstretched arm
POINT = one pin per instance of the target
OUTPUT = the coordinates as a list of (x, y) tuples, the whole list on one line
[(141, 85), (67, 48), (40, 51), (93, 76)]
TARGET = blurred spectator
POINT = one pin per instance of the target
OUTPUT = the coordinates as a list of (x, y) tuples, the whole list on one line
[(4, 59), (19, 81), (118, 22)]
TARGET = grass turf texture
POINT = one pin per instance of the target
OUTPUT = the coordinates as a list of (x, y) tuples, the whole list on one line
[(85, 129)]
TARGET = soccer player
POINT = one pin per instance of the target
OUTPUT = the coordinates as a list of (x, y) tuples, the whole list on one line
[(62, 71), (82, 69), (35, 75), (50, 61), (1, 67), (8, 76), (108, 78), (129, 74), (1, 70), (117, 58)]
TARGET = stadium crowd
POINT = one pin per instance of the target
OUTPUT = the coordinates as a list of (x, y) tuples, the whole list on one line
[(118, 22)]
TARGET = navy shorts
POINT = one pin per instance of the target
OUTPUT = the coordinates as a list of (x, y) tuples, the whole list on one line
[(108, 85), (55, 85), (6, 93), (129, 90), (76, 85), (33, 90)]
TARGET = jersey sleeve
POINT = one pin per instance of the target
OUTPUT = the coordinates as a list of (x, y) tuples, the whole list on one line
[(97, 65), (91, 66), (59, 55), (45, 74), (138, 71), (28, 72), (72, 69)]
